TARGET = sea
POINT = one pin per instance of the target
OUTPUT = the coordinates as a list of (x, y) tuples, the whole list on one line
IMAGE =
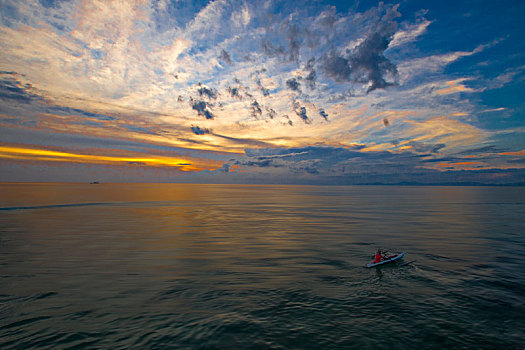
[(202, 266)]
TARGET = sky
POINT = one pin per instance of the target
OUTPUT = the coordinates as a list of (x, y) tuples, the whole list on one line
[(284, 92)]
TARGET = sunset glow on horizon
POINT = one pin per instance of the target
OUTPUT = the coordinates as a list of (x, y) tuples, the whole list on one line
[(329, 92)]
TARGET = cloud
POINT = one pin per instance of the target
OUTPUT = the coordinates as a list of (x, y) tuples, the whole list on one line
[(329, 161), (283, 39), (238, 91), (271, 112), (337, 67), (13, 90), (241, 18), (493, 110), (207, 92), (312, 74), (264, 90), (323, 114), (453, 87), (421, 147), (268, 48), (409, 34), (145, 71), (47, 155), (234, 92), (301, 112), (256, 109), (293, 84), (199, 131), (417, 69), (335, 165), (366, 63), (225, 56), (202, 108), (75, 111), (294, 43)]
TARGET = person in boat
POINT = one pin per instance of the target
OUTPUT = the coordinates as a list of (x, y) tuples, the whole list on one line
[(379, 257)]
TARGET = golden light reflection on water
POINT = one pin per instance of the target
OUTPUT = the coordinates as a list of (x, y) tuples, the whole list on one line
[(235, 237), (213, 220)]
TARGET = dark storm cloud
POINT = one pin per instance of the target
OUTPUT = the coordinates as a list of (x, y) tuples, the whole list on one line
[(225, 56), (293, 84), (202, 108), (199, 131)]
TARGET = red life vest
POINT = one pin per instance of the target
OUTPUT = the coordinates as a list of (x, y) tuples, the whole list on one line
[(378, 258)]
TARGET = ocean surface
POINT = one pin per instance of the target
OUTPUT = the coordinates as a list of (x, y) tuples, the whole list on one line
[(186, 266)]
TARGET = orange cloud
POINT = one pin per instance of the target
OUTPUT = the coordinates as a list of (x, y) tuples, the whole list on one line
[(456, 164), (31, 154), (454, 86), (460, 166), (517, 153)]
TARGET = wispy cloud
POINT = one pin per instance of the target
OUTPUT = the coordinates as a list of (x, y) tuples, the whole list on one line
[(230, 75)]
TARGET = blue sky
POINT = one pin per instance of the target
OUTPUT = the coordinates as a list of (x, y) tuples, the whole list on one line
[(262, 91)]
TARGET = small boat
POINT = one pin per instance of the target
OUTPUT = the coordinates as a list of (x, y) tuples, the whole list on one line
[(390, 259)]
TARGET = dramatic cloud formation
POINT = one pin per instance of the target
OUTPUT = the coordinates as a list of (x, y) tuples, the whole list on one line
[(250, 91)]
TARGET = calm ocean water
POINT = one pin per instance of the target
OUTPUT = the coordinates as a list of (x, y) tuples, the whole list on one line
[(155, 266)]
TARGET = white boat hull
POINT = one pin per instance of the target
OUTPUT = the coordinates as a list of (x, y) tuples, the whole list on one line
[(386, 261)]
